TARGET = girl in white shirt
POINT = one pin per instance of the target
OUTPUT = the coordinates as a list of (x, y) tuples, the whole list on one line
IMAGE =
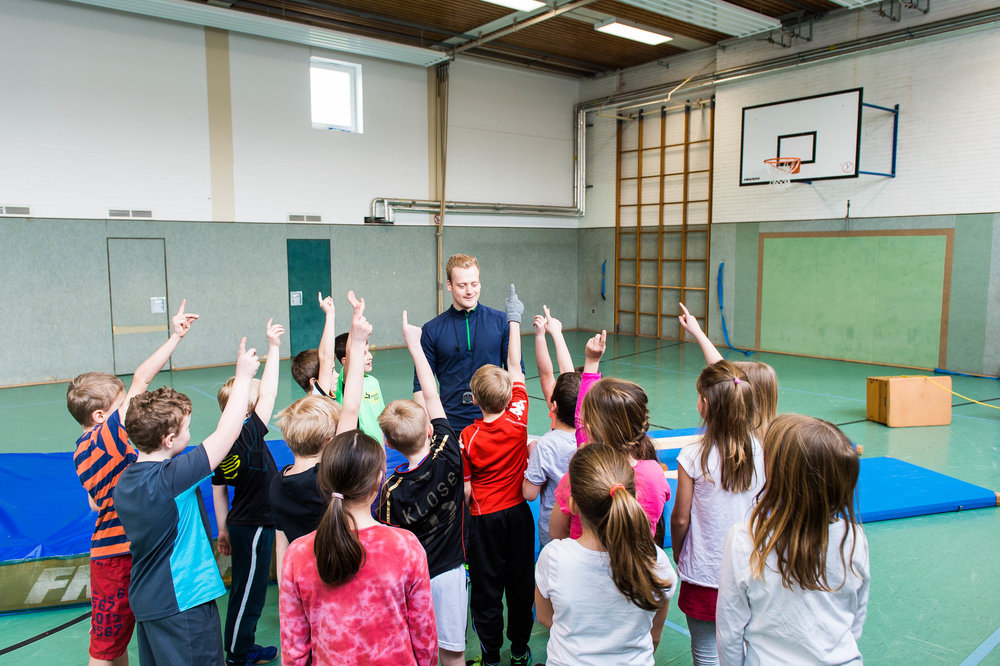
[(794, 582), (603, 596), (717, 479)]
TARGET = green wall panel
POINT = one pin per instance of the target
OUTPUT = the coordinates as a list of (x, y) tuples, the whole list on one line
[(866, 298)]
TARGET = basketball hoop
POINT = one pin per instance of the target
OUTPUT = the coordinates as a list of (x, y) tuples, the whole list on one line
[(779, 171)]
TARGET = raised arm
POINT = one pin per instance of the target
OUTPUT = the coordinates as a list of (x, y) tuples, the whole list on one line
[(690, 324), (269, 378), (327, 356), (354, 378), (593, 352), (554, 327), (147, 371), (217, 444), (542, 359), (432, 401), (515, 308)]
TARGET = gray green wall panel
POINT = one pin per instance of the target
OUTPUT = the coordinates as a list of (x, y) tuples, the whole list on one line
[(235, 276), (595, 246)]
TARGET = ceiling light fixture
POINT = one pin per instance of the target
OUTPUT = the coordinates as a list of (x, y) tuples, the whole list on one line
[(633, 31), (715, 15), (519, 5)]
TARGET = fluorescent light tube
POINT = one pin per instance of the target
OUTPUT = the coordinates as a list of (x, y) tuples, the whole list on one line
[(633, 31), (717, 15), (519, 5)]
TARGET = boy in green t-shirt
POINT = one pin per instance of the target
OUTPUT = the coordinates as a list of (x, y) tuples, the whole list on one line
[(372, 403)]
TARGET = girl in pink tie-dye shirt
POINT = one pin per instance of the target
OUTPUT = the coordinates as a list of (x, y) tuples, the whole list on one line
[(356, 591)]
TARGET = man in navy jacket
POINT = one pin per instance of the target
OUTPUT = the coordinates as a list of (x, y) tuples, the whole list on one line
[(460, 340)]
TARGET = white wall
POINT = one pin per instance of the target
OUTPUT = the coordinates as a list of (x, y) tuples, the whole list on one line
[(947, 125), (946, 87), (101, 110), (510, 135), (282, 165), (109, 110)]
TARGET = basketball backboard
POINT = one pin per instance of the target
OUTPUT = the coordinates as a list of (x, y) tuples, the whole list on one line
[(822, 131)]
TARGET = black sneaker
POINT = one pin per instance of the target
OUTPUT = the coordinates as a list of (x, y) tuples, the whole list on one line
[(259, 654)]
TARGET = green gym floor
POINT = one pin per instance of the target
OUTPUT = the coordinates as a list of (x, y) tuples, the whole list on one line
[(935, 579)]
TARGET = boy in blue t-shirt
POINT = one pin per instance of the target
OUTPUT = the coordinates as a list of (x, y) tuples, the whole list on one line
[(246, 531), (175, 580)]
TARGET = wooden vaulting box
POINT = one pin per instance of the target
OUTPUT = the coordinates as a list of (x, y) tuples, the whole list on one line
[(909, 400)]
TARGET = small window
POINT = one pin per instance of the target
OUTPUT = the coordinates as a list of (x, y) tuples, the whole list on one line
[(336, 95)]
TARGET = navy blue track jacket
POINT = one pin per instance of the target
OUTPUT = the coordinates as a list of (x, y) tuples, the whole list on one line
[(456, 344)]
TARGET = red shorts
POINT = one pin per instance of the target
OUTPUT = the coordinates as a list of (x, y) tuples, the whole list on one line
[(697, 601), (111, 619)]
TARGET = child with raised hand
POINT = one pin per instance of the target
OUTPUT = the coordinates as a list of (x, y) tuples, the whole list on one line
[(372, 402), (246, 532), (546, 323), (604, 596), (355, 591), (315, 370), (794, 582), (614, 412), (175, 580), (762, 377), (501, 527), (307, 425), (426, 496), (99, 403), (717, 479), (549, 456)]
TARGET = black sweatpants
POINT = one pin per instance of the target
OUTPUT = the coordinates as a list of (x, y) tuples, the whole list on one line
[(502, 560), (251, 561)]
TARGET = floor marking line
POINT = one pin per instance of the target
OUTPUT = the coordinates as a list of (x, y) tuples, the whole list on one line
[(681, 630), (983, 650), (44, 634), (198, 390)]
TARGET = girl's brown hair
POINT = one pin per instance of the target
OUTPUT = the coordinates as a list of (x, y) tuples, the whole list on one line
[(729, 424), (352, 466), (812, 470), (618, 519), (764, 386), (615, 413)]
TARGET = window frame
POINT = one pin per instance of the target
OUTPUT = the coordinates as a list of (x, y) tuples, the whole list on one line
[(353, 70)]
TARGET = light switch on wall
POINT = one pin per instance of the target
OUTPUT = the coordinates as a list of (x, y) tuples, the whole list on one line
[(158, 305), (295, 298)]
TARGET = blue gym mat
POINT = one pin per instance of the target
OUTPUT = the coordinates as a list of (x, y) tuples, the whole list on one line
[(44, 511)]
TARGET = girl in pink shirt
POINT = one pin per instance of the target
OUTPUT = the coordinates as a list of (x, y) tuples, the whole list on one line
[(614, 412), (356, 591)]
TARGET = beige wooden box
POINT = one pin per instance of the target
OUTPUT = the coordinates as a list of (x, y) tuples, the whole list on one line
[(910, 400)]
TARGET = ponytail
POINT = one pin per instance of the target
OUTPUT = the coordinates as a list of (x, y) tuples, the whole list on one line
[(603, 488), (349, 470)]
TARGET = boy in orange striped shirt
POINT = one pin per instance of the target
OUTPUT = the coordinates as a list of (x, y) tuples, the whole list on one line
[(99, 401)]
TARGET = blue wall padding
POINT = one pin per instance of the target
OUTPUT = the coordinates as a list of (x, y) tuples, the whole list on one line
[(44, 510)]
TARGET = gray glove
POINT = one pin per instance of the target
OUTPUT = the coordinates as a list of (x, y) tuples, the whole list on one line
[(515, 308)]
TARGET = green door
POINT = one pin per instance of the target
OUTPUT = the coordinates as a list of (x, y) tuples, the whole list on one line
[(308, 274)]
